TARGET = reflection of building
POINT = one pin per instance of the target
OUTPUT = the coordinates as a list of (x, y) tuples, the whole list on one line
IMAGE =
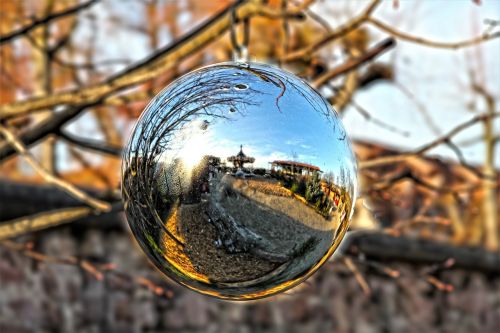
[(335, 194), (294, 168), (240, 159)]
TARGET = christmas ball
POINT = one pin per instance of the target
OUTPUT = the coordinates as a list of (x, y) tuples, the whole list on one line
[(239, 180)]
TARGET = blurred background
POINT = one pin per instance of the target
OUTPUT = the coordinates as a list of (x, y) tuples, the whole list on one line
[(416, 83)]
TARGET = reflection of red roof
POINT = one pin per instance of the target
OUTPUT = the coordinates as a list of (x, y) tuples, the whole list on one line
[(299, 164)]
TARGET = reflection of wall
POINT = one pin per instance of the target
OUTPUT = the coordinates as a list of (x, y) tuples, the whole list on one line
[(336, 195)]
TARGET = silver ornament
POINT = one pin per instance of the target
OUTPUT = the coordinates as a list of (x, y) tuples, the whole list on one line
[(239, 180)]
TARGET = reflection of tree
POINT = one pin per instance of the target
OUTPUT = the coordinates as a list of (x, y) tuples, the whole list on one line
[(346, 181), (329, 177), (203, 94), (208, 94), (313, 188)]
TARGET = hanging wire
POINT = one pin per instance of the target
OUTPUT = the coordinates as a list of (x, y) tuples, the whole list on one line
[(240, 51)]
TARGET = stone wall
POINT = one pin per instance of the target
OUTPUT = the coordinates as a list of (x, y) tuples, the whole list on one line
[(40, 297)]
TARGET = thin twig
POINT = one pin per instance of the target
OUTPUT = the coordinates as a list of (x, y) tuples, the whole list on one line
[(367, 115), (440, 285), (91, 144), (379, 161), (41, 129), (422, 41), (146, 69), (358, 276), (339, 32), (354, 62), (41, 21), (96, 270), (44, 220), (51, 179)]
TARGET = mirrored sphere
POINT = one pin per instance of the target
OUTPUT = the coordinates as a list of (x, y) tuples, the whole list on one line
[(239, 180)]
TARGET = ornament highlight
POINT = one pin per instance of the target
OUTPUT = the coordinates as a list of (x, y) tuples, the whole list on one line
[(239, 180)]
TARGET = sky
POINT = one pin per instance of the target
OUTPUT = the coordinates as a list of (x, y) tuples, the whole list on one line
[(274, 125), (438, 78)]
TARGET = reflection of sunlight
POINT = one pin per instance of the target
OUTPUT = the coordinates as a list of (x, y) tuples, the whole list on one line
[(191, 143), (193, 150)]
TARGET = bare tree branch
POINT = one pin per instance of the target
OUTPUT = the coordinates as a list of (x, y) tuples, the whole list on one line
[(379, 161), (358, 276), (90, 144), (367, 115), (490, 204), (98, 271), (146, 69), (42, 21), (28, 224), (339, 32), (45, 127), (380, 246), (354, 62), (51, 179), (422, 41)]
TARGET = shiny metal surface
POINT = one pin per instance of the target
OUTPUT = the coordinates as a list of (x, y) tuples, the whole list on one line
[(239, 180)]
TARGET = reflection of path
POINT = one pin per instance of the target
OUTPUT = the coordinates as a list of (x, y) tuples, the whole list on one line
[(199, 258), (212, 260), (281, 247), (285, 226), (285, 203), (174, 253)]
